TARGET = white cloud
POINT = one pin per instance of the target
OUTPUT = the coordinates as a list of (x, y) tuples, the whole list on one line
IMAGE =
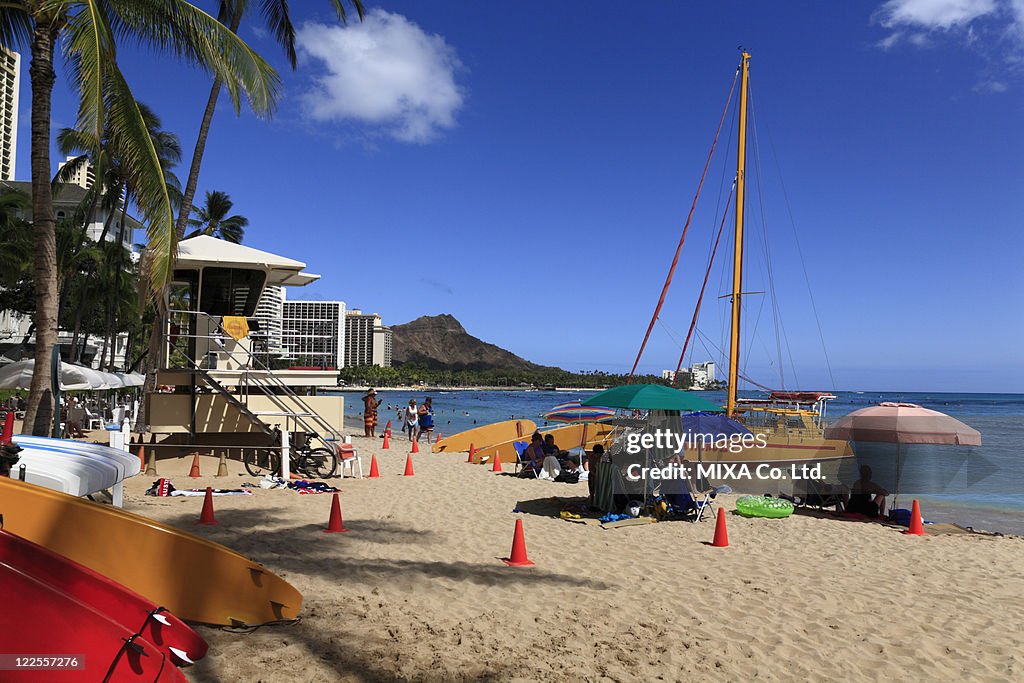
[(991, 29), (385, 72), (933, 14), (991, 86)]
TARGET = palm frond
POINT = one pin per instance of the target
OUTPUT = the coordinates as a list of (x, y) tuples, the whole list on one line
[(15, 25), (89, 47), (339, 9), (142, 164), (275, 14), (187, 32)]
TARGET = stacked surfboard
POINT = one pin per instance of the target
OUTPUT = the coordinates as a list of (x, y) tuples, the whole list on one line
[(66, 622), (72, 467), (196, 579)]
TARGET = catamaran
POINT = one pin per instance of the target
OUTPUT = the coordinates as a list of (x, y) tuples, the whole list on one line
[(792, 422)]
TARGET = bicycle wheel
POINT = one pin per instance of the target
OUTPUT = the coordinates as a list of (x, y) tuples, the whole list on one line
[(323, 462), (262, 461)]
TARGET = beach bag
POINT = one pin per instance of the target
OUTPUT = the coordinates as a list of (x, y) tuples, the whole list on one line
[(568, 477)]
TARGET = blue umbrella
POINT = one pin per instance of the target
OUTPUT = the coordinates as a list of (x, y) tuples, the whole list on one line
[(714, 424)]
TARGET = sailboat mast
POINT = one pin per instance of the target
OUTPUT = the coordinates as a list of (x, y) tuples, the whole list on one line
[(737, 263)]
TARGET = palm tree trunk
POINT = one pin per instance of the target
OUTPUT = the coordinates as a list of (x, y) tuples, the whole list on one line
[(197, 154), (39, 413)]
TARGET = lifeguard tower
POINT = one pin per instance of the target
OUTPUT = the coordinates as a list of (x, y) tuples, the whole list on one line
[(216, 388)]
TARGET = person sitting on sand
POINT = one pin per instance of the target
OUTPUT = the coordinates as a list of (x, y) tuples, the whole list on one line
[(861, 493), (370, 404), (533, 456)]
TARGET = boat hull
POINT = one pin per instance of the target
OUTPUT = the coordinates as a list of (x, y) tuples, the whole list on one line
[(835, 459), (196, 579)]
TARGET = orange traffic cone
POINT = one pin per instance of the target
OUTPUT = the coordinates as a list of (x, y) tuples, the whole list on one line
[(334, 524), (408, 465), (415, 446), (437, 439), (916, 526), (8, 428), (374, 474), (518, 558), (472, 453), (387, 441), (721, 533), (497, 463), (387, 429), (206, 516), (194, 471)]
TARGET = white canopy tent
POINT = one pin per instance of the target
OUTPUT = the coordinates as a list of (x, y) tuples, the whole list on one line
[(72, 377)]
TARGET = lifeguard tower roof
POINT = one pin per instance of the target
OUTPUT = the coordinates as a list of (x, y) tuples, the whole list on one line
[(204, 252)]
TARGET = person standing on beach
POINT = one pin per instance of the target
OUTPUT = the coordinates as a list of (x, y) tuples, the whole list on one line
[(425, 416), (370, 404), (412, 417)]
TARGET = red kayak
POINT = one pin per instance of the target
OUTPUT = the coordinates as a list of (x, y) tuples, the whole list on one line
[(47, 635), (119, 604)]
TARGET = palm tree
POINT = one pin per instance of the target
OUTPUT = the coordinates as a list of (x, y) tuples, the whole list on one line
[(275, 15), (213, 219), (87, 30), (113, 189)]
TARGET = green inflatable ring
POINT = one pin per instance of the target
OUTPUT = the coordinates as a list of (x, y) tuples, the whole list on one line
[(764, 506)]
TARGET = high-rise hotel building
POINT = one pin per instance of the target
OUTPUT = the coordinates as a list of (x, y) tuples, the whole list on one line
[(10, 78)]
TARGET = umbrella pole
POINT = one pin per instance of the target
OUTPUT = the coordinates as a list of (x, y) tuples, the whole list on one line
[(899, 472)]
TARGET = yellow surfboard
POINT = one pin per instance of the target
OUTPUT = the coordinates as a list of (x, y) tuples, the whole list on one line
[(566, 437), (485, 436), (196, 579)]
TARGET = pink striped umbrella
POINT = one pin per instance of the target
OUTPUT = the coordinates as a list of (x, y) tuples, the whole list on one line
[(903, 423)]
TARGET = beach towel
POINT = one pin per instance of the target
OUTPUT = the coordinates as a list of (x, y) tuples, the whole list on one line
[(164, 488), (311, 487)]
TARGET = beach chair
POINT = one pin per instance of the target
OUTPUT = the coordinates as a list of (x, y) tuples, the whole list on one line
[(688, 506), (820, 494), (520, 447), (349, 457)]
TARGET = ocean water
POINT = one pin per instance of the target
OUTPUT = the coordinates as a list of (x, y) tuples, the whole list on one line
[(981, 486)]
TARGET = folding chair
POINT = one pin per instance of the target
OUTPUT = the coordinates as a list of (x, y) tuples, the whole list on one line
[(522, 462), (685, 504)]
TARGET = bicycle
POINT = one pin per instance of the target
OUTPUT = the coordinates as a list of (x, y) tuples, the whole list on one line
[(311, 462)]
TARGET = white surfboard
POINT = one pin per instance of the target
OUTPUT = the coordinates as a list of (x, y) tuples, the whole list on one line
[(73, 467)]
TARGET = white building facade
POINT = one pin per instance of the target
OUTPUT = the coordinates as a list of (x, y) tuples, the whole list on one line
[(10, 79), (313, 333)]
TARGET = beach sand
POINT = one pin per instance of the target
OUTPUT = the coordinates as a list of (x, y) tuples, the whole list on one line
[(416, 591)]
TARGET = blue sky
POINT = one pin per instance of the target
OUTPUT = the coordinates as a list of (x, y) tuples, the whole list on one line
[(528, 169)]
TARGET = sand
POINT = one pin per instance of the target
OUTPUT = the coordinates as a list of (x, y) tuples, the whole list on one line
[(416, 591)]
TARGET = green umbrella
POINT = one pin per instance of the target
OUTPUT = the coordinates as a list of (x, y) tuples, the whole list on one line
[(651, 397)]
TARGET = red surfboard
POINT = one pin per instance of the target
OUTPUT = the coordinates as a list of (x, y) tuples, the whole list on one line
[(47, 635), (118, 603)]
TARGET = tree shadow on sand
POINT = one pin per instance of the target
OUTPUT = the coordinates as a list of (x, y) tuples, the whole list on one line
[(293, 550), (331, 555)]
